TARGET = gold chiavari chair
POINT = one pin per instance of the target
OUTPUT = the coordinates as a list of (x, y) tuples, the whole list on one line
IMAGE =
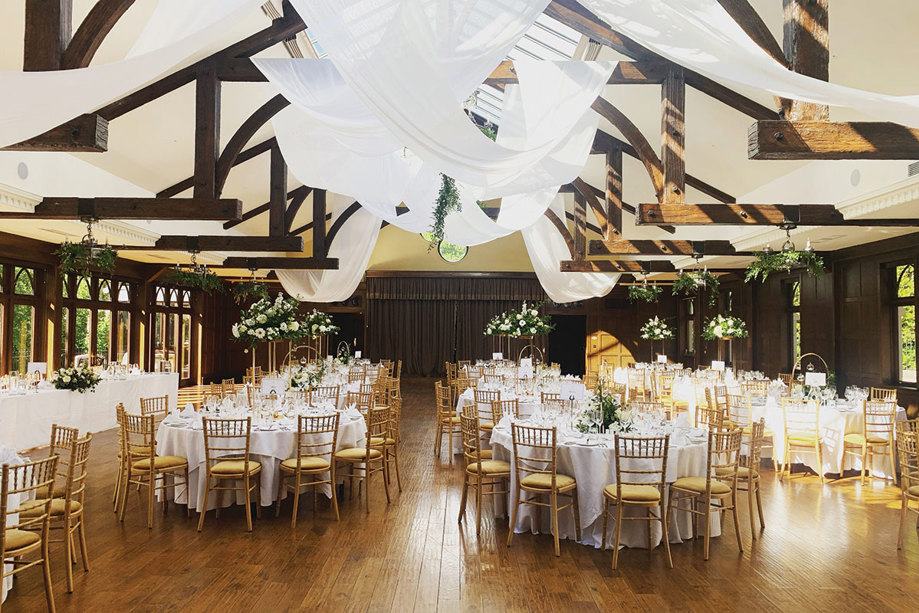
[(908, 452), (638, 487), (591, 380), (755, 387), (357, 374), (802, 432), (139, 450), (462, 364), (544, 396), (394, 438), (61, 445), (720, 397), (67, 510), (481, 472), (368, 460), (701, 389), (317, 437), (474, 372), (26, 534), (536, 456), (636, 382), (483, 400), (740, 411), (215, 390), (327, 393), (119, 414), (253, 394), (621, 389), (228, 387), (447, 420), (886, 394), (648, 407), (226, 459), (488, 370), (748, 474), (249, 381), (451, 372), (255, 375), (876, 437), (723, 454), (710, 415), (157, 406), (501, 408), (492, 379), (785, 377), (362, 400)]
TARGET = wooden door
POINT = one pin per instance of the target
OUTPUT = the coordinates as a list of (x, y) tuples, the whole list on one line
[(604, 347)]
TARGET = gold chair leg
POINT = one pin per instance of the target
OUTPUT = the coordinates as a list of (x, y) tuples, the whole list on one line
[(903, 504), (750, 507), (395, 455), (187, 494), (84, 553), (296, 508), (665, 529), (510, 532), (203, 511), (736, 523), (68, 552), (554, 497), (707, 518), (438, 437), (385, 478), (478, 503), (150, 500), (46, 571), (248, 504), (577, 514), (759, 507), (462, 509), (277, 505), (334, 487), (617, 534), (605, 523)]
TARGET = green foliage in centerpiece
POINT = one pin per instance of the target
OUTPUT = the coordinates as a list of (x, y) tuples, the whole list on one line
[(693, 282), (309, 376), (656, 329), (724, 326), (644, 293), (525, 322), (768, 262), (614, 418), (268, 320), (205, 281), (76, 379), (319, 323), (76, 257), (248, 290)]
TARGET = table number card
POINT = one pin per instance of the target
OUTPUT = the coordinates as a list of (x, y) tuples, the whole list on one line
[(497, 356), (276, 386), (661, 358), (815, 379), (39, 367), (718, 365), (526, 362), (357, 355), (572, 389)]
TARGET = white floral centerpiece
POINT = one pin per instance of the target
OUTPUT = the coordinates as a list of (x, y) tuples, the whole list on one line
[(724, 327), (656, 329), (268, 320), (76, 379), (525, 322), (319, 323)]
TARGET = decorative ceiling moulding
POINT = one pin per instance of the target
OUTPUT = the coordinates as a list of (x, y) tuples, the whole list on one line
[(17, 199)]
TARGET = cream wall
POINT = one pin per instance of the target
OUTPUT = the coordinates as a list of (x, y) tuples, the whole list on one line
[(397, 249)]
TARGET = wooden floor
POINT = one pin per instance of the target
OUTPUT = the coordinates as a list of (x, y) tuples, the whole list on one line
[(830, 548)]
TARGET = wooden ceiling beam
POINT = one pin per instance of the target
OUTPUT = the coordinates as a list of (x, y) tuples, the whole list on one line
[(353, 208), (207, 130), (631, 266), (277, 201), (281, 263), (320, 247), (673, 134), (757, 214), (754, 26), (656, 247), (294, 207), (220, 242), (824, 140), (640, 145), (92, 31), (86, 134), (243, 134), (52, 207), (263, 208), (244, 156), (47, 33), (806, 43), (614, 203), (562, 228)]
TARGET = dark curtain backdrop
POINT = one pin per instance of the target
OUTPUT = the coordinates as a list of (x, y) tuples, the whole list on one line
[(428, 321)]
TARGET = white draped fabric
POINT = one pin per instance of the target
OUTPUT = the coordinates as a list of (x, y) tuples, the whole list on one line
[(701, 35), (35, 102), (547, 248)]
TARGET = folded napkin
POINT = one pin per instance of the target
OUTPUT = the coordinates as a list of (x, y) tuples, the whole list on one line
[(8, 455), (188, 412), (682, 421), (352, 412)]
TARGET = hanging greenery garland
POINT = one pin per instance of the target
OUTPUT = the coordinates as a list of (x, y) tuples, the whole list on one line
[(76, 257), (205, 281), (768, 262), (692, 282), (248, 290), (644, 293)]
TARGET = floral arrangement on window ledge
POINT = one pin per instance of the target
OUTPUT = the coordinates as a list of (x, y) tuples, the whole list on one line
[(692, 282), (724, 327), (319, 323), (268, 320), (526, 322), (205, 280), (656, 329), (614, 417), (645, 292), (768, 262), (77, 257), (248, 290), (76, 379)]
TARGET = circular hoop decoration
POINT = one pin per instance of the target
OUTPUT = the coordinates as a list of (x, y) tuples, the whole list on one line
[(533, 350)]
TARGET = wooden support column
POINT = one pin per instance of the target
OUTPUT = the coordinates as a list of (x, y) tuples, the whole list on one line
[(580, 226), (207, 130), (806, 42), (673, 163), (277, 204), (47, 33), (320, 248), (613, 195)]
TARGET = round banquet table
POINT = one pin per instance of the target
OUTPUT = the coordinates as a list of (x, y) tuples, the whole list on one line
[(185, 438), (527, 405), (594, 467)]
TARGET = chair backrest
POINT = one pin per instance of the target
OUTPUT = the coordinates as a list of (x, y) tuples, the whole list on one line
[(444, 399), (720, 397), (535, 451), (757, 437), (664, 382), (378, 427), (75, 486), (451, 372), (740, 410), (802, 418), (484, 398), (158, 406), (621, 389), (493, 378), (544, 396), (461, 364), (362, 400), (709, 415), (472, 443), (473, 372), (702, 388), (723, 456), (62, 438), (500, 408), (488, 370), (254, 374), (227, 438), (138, 437), (880, 417), (785, 377), (317, 436), (755, 387), (648, 407), (356, 373), (228, 386), (646, 462), (883, 393), (323, 393), (215, 390), (28, 480), (908, 454)]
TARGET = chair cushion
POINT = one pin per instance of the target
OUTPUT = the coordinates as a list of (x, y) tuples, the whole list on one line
[(452, 419), (486, 454), (913, 491), (859, 439), (634, 493), (489, 467), (697, 484), (801, 438), (357, 453), (161, 462), (486, 425), (306, 463), (543, 481), (378, 440), (33, 508), (742, 471), (17, 539), (235, 467)]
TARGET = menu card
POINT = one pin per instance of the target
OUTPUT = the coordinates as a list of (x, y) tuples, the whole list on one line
[(661, 358), (497, 356), (815, 379), (718, 365), (571, 389), (273, 386)]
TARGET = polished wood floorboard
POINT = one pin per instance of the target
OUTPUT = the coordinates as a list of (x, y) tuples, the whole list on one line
[(830, 548)]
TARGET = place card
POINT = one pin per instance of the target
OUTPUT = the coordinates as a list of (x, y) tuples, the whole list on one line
[(497, 356), (273, 386), (661, 358), (718, 365), (525, 372), (526, 362), (357, 354), (815, 379), (571, 389), (40, 367)]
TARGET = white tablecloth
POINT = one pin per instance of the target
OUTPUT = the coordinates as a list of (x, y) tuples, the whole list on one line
[(268, 447), (26, 419), (7, 456), (527, 406), (593, 468)]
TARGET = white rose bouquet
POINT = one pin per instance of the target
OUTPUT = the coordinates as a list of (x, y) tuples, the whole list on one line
[(270, 320), (76, 379), (724, 326), (319, 323), (525, 322), (656, 329)]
